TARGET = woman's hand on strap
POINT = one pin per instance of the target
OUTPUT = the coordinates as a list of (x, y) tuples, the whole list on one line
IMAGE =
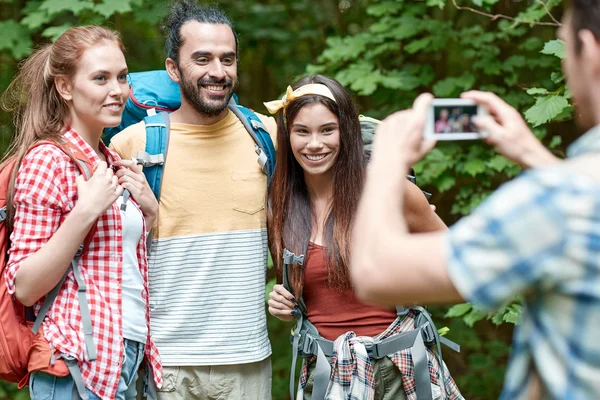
[(282, 304), (132, 178), (98, 193)]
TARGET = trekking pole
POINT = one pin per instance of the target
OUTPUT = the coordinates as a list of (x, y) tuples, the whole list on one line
[(290, 258)]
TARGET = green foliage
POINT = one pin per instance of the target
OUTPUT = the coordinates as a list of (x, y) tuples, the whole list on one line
[(405, 48), (14, 38)]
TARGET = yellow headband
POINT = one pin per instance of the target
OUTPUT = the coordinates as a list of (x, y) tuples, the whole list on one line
[(290, 94)]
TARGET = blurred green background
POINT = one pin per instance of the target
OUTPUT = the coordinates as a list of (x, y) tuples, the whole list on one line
[(385, 52)]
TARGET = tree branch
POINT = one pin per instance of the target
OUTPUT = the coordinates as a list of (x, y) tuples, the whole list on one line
[(548, 11), (494, 17)]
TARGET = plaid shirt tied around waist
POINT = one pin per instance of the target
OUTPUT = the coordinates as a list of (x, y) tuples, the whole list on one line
[(45, 193), (352, 375)]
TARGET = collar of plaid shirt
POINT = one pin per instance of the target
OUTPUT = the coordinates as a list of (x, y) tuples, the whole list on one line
[(101, 267)]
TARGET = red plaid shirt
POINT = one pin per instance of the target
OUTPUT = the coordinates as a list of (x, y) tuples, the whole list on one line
[(45, 193)]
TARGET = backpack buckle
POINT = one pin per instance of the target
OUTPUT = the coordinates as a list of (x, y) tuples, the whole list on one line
[(372, 348), (262, 158)]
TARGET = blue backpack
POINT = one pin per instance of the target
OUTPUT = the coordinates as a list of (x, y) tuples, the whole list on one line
[(152, 96)]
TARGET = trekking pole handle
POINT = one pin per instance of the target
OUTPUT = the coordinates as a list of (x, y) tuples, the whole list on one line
[(291, 258)]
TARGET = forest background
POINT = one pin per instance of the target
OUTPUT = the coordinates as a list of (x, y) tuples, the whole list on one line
[(385, 52)]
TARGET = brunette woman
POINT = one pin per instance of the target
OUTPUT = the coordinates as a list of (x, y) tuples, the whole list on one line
[(313, 196), (68, 92)]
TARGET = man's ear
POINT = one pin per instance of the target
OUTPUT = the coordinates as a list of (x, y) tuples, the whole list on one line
[(63, 87), (590, 50), (172, 70)]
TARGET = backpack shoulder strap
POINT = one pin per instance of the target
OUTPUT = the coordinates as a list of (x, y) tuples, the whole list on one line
[(86, 168), (259, 133), (155, 154)]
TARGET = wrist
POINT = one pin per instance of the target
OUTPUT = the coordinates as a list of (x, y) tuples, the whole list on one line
[(83, 214), (536, 155), (151, 212)]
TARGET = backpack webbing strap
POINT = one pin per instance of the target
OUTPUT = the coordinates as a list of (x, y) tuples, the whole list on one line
[(155, 155), (295, 342), (84, 166), (75, 372), (322, 375), (401, 311), (50, 297), (259, 133), (84, 308), (412, 340), (288, 259), (83, 305), (438, 342)]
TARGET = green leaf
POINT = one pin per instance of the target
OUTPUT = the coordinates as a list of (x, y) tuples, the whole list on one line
[(417, 45), (360, 78), (389, 7), (445, 182), (499, 163), (54, 32), (454, 85), (554, 47), (474, 316), (534, 91), (546, 109), (109, 7), (443, 331), (513, 315), (436, 3), (557, 77), (531, 44), (35, 19), (458, 310), (401, 80), (344, 49), (53, 7), (406, 27), (15, 38), (474, 166), (555, 142)]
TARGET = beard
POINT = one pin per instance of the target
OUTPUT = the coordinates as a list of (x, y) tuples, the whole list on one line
[(215, 104)]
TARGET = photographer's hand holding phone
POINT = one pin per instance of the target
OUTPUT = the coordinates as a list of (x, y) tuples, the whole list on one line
[(506, 130)]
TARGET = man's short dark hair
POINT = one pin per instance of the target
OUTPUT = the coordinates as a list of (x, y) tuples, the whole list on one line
[(183, 11), (585, 14)]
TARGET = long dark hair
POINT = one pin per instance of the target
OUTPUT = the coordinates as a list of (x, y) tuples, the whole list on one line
[(291, 214)]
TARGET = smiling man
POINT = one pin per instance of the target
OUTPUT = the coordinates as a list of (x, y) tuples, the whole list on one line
[(537, 236), (208, 263)]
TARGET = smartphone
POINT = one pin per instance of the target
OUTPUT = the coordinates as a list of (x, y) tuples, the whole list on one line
[(452, 119)]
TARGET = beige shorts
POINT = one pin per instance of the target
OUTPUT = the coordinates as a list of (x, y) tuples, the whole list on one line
[(241, 381)]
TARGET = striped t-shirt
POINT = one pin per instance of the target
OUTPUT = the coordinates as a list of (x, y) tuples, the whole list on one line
[(209, 255)]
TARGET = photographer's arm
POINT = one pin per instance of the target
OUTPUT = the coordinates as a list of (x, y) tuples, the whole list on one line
[(388, 264), (508, 132)]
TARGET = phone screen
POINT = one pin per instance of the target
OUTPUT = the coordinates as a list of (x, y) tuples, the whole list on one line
[(449, 119)]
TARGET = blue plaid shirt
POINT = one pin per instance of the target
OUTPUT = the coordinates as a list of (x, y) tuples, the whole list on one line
[(539, 236)]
